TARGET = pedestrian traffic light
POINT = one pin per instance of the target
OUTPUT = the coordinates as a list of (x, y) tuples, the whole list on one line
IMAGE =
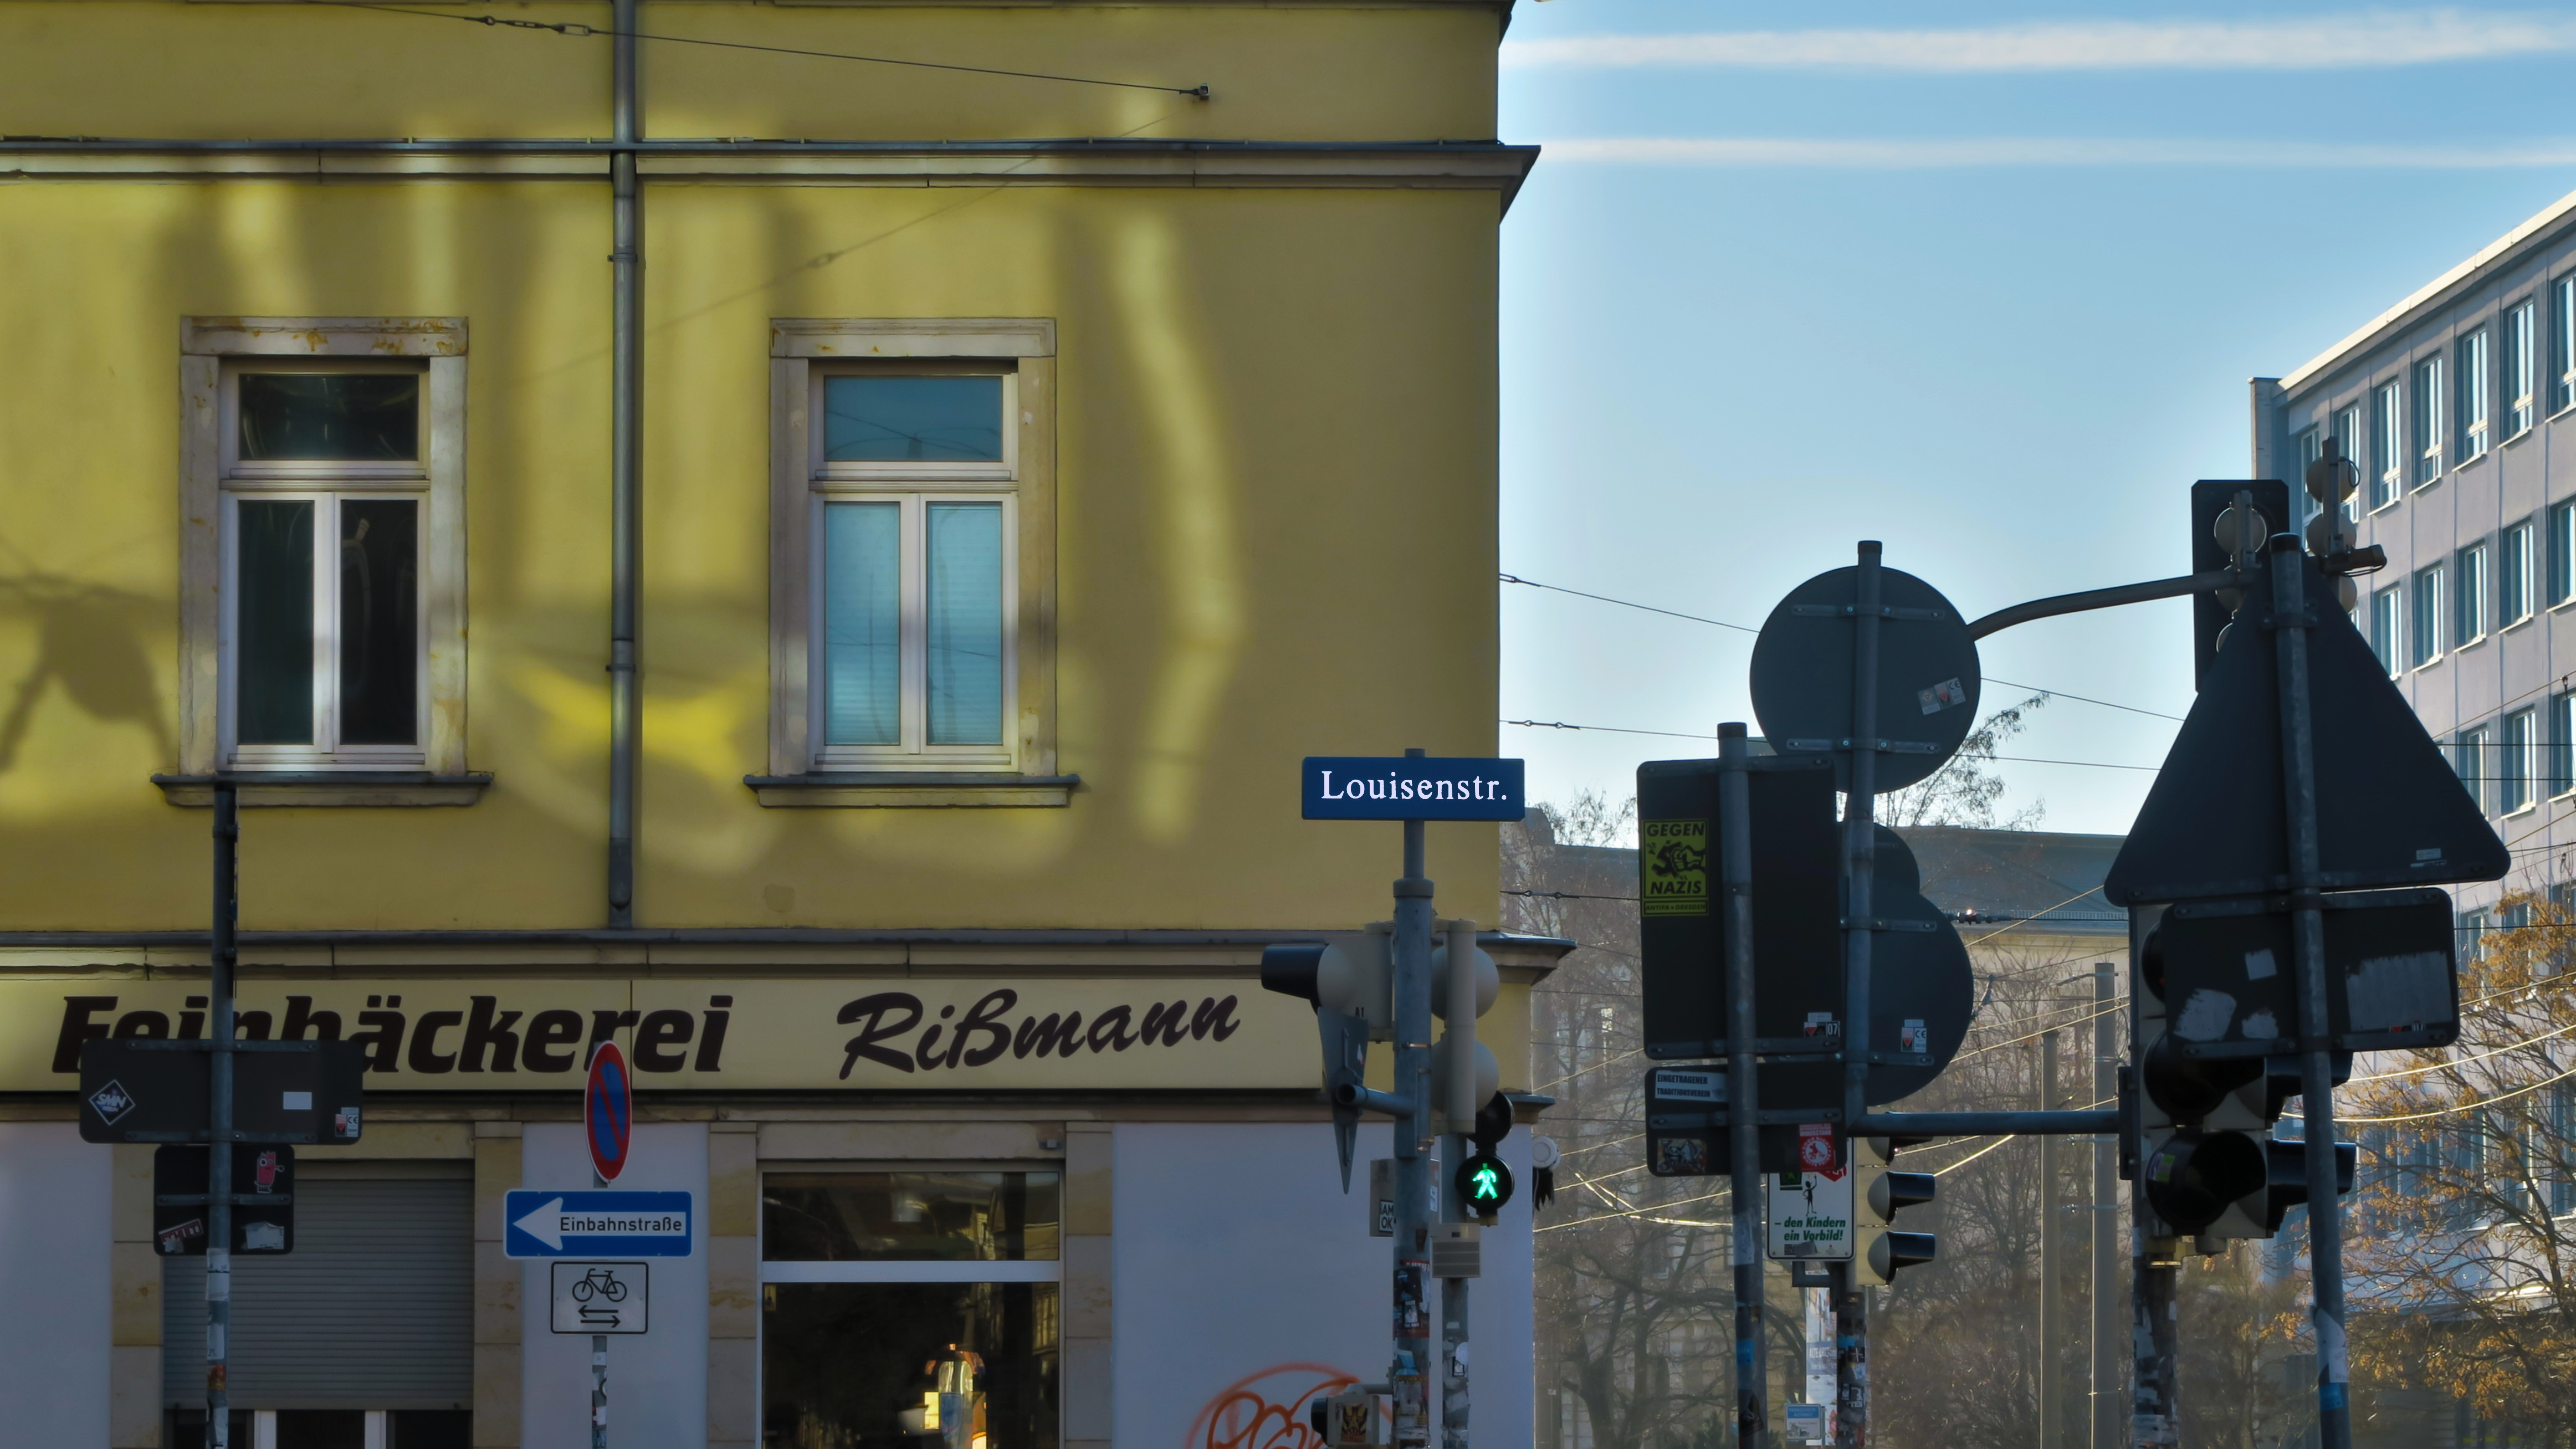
[(1484, 1184), (1878, 1247)]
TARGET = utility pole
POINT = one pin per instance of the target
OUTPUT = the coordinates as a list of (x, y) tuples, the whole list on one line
[(2105, 1225), (1745, 1238), (1409, 1375), (2052, 1409), (1860, 869), (219, 1143)]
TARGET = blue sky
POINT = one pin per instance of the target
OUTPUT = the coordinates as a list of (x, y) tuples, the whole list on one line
[(1984, 282)]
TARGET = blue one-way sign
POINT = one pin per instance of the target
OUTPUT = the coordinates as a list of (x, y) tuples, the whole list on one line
[(596, 1224)]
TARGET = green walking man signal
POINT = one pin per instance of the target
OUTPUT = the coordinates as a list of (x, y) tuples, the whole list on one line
[(1484, 1184)]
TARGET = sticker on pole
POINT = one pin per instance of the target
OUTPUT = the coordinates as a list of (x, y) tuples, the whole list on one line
[(608, 1112), (1816, 1152), (544, 1224)]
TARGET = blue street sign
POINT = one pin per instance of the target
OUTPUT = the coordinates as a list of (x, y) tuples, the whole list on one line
[(596, 1224), (1405, 787)]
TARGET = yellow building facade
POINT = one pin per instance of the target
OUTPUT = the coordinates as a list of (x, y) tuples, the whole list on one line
[(1005, 465)]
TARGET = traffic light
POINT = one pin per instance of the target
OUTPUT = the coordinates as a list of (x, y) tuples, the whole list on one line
[(1878, 1247), (1484, 1184), (2209, 1166), (1471, 980), (1346, 971)]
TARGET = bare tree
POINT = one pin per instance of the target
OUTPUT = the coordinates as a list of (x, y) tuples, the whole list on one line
[(1965, 790), (2463, 1249)]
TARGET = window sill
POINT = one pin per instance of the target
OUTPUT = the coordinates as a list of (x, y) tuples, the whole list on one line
[(900, 789), (329, 788)]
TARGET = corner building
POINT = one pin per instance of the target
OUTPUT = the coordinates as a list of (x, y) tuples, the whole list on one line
[(1023, 474)]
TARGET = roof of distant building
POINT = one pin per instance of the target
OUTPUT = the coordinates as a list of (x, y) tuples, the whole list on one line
[(2051, 880)]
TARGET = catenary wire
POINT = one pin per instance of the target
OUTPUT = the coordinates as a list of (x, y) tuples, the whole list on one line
[(578, 31), (1742, 629), (1550, 724)]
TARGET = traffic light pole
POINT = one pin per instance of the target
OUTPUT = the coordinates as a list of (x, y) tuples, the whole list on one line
[(1743, 1136), (1408, 1376), (2316, 1068), (2104, 1227), (219, 1144), (1461, 1090), (1860, 868)]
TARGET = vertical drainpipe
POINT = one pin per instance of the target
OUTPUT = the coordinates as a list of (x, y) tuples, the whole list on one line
[(626, 481)]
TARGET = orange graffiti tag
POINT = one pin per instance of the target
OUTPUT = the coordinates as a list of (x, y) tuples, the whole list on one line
[(1266, 1410)]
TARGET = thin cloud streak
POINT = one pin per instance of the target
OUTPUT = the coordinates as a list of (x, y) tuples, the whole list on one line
[(1910, 155), (2367, 40)]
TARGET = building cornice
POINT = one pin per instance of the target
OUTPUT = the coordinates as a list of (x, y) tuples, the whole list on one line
[(1072, 161), (2439, 293)]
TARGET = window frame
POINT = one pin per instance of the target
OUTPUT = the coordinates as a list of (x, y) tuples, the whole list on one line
[(2431, 443), (2517, 583), (2518, 784), (2347, 430), (2472, 571), (2388, 444), (2562, 344), (2470, 761), (804, 353), (2473, 362), (214, 353), (2520, 362), (2388, 622), (2430, 595), (2559, 746)]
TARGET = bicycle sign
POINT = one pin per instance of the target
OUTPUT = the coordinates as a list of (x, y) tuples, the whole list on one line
[(601, 1297)]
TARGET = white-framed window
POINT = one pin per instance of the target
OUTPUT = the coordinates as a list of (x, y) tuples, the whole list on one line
[(2469, 591), (2428, 420), (914, 487), (913, 556), (2562, 343), (2521, 367), (2387, 628), (2347, 433), (2516, 598), (2562, 743), (2517, 761), (325, 640), (2426, 636), (323, 548), (2560, 546), (2387, 445), (2477, 396), (937, 1286), (2469, 758)]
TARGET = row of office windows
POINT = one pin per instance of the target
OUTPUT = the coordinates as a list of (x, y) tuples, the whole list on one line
[(2485, 586), (332, 574), (2452, 408), (2520, 1159)]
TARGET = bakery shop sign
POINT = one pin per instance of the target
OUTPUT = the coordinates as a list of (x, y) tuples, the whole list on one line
[(496, 1035)]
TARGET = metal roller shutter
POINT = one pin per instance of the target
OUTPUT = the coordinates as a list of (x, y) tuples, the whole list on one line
[(373, 1310)]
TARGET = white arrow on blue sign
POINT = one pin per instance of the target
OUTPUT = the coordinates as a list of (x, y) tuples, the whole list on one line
[(596, 1224)]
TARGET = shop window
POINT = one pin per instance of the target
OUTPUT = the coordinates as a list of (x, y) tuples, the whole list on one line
[(916, 1307)]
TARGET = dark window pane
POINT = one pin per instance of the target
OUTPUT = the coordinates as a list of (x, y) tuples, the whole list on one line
[(428, 1429), (379, 622), (321, 1429), (852, 1216), (368, 416), (273, 622), (909, 1365), (912, 419)]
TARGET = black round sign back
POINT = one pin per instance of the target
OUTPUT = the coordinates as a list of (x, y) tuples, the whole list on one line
[(1928, 680)]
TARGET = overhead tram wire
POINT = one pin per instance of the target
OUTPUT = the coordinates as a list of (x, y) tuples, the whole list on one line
[(1547, 724), (581, 31), (1742, 629)]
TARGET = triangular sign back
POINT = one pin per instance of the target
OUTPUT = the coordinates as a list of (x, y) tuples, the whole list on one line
[(2390, 810)]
